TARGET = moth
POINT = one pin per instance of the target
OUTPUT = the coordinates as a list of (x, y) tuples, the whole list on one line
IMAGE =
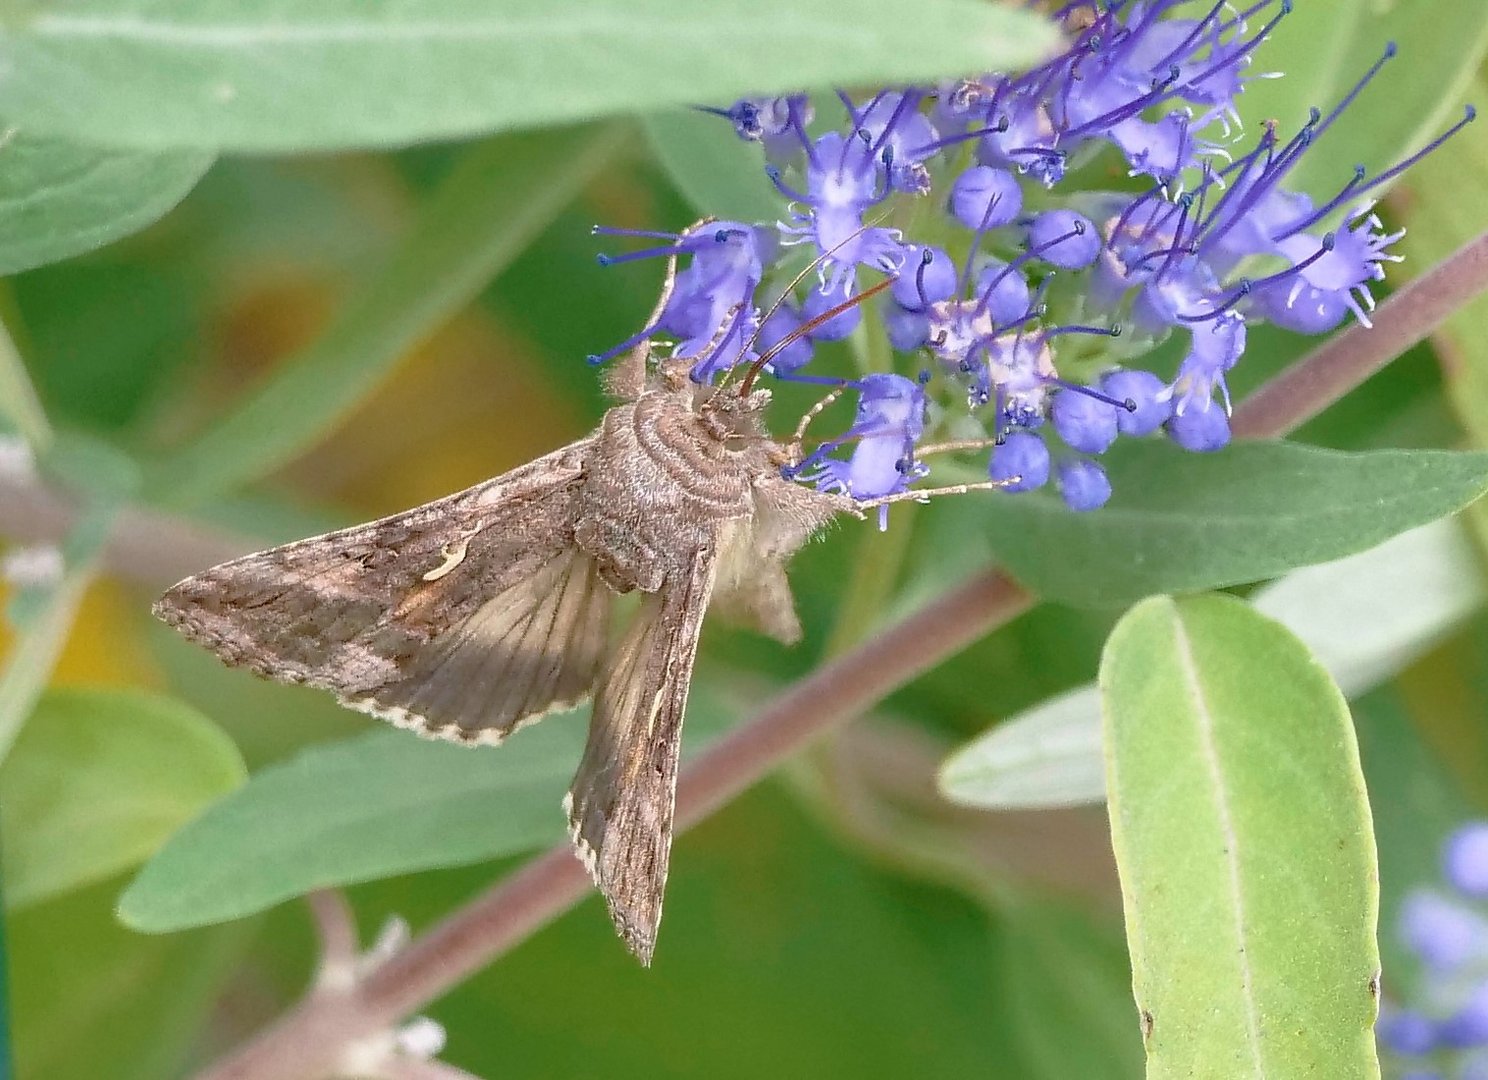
[(474, 615)]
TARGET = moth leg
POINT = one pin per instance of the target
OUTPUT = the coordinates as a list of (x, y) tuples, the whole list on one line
[(789, 514), (793, 450)]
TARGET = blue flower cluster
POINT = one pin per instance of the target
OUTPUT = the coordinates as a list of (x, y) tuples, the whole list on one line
[(1445, 1033), (1025, 286)]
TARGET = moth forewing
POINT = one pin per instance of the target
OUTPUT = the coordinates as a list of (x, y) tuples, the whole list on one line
[(385, 618)]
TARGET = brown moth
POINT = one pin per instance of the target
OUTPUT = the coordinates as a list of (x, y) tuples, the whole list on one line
[(470, 616)]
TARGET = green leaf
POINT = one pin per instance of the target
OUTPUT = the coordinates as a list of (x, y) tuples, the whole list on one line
[(1065, 979), (59, 199), (93, 1000), (1244, 844), (719, 173), (283, 75), (1181, 522), (98, 780), (380, 804), (1047, 756), (1323, 48), (496, 200), (1365, 618)]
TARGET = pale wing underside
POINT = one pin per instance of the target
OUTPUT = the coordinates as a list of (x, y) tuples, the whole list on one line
[(526, 652), (621, 804), (460, 618)]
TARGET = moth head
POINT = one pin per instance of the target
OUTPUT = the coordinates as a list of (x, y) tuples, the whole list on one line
[(730, 417)]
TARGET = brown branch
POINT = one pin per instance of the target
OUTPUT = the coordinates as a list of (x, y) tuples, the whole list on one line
[(335, 926)]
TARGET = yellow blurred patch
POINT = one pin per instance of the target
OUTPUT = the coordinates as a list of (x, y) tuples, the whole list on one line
[(467, 404), (104, 648)]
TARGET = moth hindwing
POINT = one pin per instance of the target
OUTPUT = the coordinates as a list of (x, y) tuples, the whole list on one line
[(469, 616)]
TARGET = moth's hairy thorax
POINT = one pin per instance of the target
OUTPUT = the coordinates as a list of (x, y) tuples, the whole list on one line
[(666, 476)]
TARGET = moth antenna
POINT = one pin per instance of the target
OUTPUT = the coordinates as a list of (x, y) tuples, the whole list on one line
[(805, 272), (805, 328), (814, 264), (926, 494)]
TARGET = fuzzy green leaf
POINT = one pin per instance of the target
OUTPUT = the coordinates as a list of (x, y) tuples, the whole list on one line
[(1243, 838), (96, 782), (59, 199), (719, 173), (365, 808), (1322, 49), (285, 75), (1181, 522), (1365, 618)]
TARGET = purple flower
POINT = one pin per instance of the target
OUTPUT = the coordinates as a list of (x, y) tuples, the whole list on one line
[(1164, 149), (844, 180), (1083, 485), (712, 305), (906, 330), (1006, 294), (1085, 422), (890, 420), (781, 324), (1065, 239), (902, 136), (1202, 430), (1146, 392), (1468, 1026), (1022, 457), (775, 122), (927, 277), (1216, 346), (1407, 1032), (1332, 276), (986, 198), (1003, 292), (819, 301), (1444, 933), (1465, 860)]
